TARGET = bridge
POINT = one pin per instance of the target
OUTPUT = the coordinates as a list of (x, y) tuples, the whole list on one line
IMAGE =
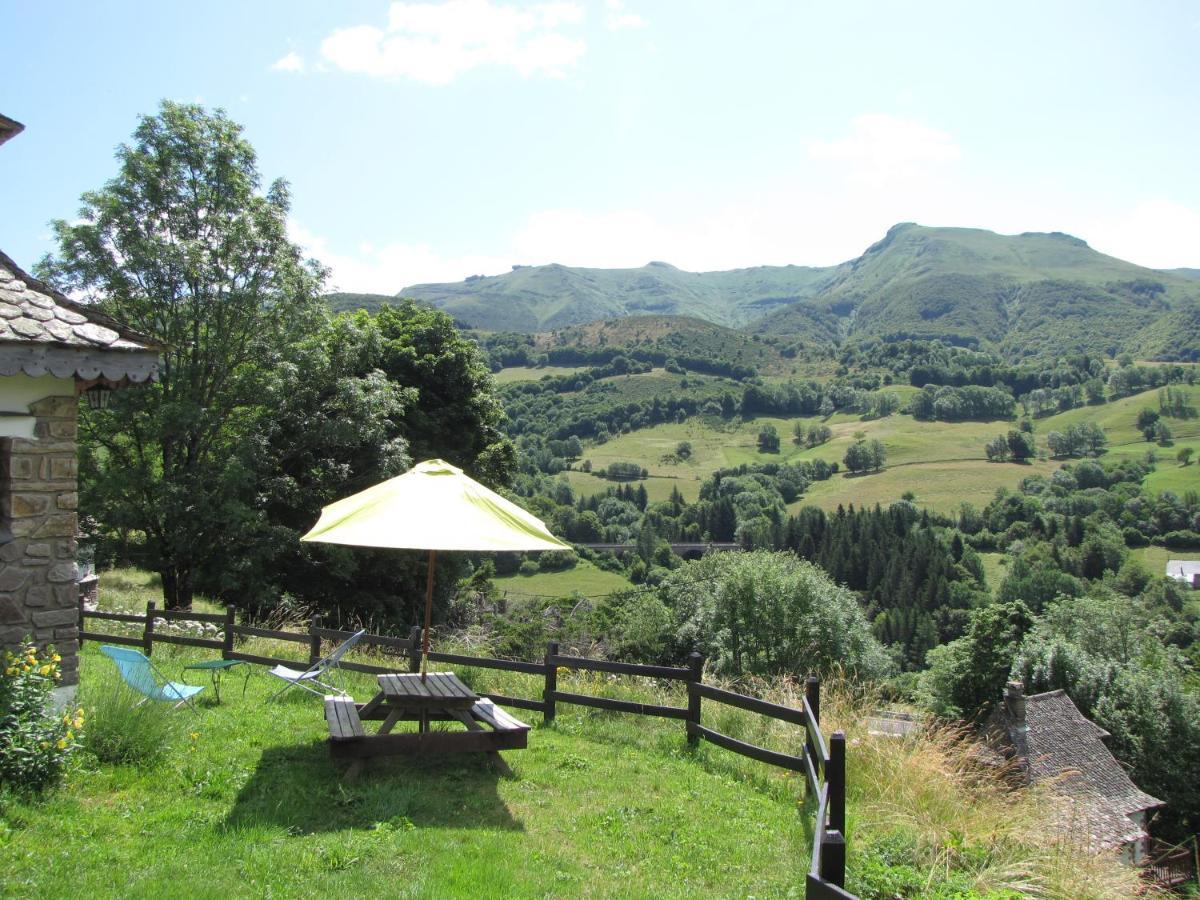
[(678, 548)]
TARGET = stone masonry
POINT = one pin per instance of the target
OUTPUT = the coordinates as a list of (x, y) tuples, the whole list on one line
[(38, 490)]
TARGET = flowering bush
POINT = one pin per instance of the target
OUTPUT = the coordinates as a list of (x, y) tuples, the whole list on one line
[(35, 741)]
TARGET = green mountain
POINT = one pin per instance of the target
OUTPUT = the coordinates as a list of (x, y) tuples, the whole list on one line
[(343, 302), (1032, 294), (1027, 295), (542, 298)]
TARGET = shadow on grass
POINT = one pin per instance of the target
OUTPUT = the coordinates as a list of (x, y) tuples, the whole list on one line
[(301, 789)]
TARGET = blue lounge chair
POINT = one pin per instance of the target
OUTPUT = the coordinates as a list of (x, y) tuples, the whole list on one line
[(143, 676), (310, 679)]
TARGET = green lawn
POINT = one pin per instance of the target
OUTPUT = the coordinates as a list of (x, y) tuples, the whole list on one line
[(248, 804), (584, 577)]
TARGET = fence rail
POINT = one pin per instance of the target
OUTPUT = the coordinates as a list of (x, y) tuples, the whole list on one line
[(822, 762)]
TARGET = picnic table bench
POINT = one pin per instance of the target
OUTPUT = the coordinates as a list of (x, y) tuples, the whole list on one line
[(441, 697)]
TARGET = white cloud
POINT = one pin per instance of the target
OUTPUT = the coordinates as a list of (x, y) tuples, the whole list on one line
[(293, 62), (387, 268), (616, 18), (436, 42), (881, 147)]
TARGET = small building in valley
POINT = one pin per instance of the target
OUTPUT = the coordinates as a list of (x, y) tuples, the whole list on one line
[(52, 349), (1185, 570), (1053, 744)]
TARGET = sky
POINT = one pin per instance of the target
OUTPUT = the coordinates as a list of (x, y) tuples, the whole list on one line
[(430, 141)]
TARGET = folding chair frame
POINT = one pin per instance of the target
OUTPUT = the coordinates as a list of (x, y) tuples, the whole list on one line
[(311, 675)]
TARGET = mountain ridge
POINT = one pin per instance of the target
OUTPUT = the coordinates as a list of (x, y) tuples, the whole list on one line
[(1027, 294)]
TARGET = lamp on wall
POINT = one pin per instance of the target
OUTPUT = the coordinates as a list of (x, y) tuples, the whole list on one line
[(98, 396), (98, 392)]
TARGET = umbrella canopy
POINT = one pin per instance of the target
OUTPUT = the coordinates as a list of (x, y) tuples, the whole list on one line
[(433, 506)]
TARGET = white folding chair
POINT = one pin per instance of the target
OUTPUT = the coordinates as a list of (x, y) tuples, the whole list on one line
[(310, 679)]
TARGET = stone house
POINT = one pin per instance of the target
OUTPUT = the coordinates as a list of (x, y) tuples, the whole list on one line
[(51, 351), (1052, 743)]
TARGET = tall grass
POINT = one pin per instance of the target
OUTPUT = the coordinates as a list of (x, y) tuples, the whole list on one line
[(121, 729)]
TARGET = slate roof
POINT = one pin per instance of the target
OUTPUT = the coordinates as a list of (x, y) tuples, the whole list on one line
[(1060, 747), (1183, 569), (9, 128), (44, 332)]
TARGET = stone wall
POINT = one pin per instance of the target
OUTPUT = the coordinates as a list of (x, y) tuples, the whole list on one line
[(38, 497)]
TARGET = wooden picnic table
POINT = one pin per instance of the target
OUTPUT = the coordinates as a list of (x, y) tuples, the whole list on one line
[(405, 697)]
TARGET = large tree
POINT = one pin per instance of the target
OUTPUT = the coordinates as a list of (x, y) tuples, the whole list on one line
[(184, 245)]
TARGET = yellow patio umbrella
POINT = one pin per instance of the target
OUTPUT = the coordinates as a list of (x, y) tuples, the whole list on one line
[(433, 506)]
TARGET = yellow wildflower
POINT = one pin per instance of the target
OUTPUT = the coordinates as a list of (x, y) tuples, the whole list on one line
[(56, 658), (62, 744), (46, 670), (78, 721)]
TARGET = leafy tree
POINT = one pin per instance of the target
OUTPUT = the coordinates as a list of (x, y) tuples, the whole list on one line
[(1163, 434), (183, 246), (683, 450), (997, 449), (1147, 422), (1020, 445), (456, 415), (768, 439), (1184, 455), (966, 676), (764, 613)]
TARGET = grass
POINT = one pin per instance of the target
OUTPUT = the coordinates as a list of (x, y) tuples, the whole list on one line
[(514, 374), (585, 578), (943, 463), (246, 802)]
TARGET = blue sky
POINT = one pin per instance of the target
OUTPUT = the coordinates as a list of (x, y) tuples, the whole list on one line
[(431, 141)]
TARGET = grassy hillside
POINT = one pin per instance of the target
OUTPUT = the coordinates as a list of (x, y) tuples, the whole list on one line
[(1027, 294), (943, 463), (540, 298)]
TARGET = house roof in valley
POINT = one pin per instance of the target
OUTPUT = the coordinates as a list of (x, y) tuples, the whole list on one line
[(1183, 569), (1059, 747), (44, 332)]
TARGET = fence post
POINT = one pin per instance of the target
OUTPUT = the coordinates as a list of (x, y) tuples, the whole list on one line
[(148, 629), (551, 682), (833, 848), (836, 779), (227, 649), (833, 858), (414, 652), (314, 641), (82, 627), (695, 676), (812, 693)]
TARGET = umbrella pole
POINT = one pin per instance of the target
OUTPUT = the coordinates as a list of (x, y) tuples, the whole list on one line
[(428, 614)]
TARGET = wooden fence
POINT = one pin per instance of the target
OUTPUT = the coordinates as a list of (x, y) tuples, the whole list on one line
[(822, 762)]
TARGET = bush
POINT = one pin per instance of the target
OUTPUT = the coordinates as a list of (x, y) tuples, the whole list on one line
[(763, 613), (121, 731), (35, 742)]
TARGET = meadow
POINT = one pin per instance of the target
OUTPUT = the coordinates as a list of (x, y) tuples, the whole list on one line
[(942, 463)]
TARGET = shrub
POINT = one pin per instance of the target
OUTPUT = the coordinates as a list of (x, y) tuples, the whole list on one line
[(764, 613), (35, 741), (123, 730)]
